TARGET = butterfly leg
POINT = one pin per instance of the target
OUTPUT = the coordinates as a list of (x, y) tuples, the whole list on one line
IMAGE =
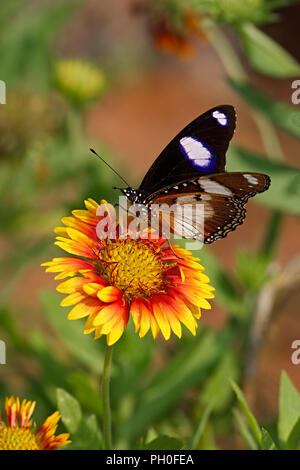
[(172, 249)]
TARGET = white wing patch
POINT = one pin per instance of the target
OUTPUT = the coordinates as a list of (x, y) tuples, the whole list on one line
[(205, 197), (220, 117), (252, 179), (212, 187), (188, 199), (197, 152)]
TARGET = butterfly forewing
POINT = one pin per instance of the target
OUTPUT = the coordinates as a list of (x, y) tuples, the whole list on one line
[(200, 148)]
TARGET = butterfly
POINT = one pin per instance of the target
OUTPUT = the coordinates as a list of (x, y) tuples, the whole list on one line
[(191, 171)]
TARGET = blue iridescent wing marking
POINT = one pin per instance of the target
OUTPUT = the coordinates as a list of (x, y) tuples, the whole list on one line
[(220, 117), (199, 155)]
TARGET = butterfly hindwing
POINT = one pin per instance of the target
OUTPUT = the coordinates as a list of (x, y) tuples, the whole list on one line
[(199, 148), (223, 197)]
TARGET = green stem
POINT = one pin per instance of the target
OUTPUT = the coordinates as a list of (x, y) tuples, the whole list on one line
[(227, 55), (75, 133), (106, 399), (268, 136)]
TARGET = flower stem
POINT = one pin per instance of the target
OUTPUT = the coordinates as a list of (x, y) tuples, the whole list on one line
[(106, 398)]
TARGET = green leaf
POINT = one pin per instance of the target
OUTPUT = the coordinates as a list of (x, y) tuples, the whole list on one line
[(82, 347), (294, 437), (218, 385), (284, 116), (267, 442), (82, 388), (284, 192), (202, 425), (244, 431), (88, 436), (266, 55), (289, 408), (70, 410), (253, 425), (164, 443)]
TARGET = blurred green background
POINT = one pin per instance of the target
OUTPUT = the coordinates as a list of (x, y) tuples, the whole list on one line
[(125, 77)]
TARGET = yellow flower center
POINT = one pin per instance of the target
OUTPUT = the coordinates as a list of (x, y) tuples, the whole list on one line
[(134, 267), (17, 439)]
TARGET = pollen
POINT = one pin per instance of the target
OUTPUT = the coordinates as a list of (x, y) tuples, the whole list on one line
[(134, 267), (17, 438)]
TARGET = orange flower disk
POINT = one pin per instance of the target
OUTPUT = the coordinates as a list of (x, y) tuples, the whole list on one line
[(113, 278)]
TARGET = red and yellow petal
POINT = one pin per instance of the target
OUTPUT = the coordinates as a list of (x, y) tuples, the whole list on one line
[(26, 410), (72, 222), (183, 313), (12, 408), (77, 244), (68, 267), (171, 315), (111, 321), (46, 434), (110, 294), (141, 313), (16, 414), (84, 308), (118, 329), (159, 313)]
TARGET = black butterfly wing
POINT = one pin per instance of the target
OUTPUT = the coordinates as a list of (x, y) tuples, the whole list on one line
[(222, 197), (199, 148)]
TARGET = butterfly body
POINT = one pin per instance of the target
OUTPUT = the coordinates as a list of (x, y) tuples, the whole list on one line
[(191, 171)]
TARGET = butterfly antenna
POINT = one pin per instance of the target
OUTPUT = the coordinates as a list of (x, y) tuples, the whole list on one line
[(115, 171)]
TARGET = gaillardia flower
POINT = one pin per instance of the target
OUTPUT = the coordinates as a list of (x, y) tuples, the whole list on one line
[(113, 278), (18, 432)]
